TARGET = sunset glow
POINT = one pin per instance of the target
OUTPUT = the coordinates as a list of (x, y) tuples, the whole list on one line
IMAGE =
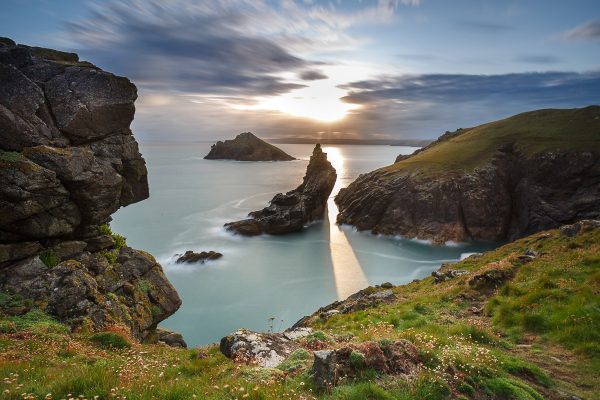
[(320, 101)]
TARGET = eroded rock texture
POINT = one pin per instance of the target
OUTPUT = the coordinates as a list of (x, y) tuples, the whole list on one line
[(512, 194), (68, 160), (290, 212)]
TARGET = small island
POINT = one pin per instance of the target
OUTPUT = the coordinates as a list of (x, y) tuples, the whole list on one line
[(246, 147)]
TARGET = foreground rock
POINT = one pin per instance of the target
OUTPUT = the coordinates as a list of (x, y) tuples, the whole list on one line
[(202, 257), (167, 337), (68, 160), (290, 212), (267, 350), (330, 367), (487, 182), (246, 147)]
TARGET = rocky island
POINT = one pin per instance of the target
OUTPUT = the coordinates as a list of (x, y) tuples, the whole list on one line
[(68, 160), (498, 181), (246, 147), (290, 212)]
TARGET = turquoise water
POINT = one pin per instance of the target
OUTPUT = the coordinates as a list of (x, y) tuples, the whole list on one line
[(281, 277)]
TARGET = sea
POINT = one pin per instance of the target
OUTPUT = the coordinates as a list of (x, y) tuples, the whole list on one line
[(267, 282)]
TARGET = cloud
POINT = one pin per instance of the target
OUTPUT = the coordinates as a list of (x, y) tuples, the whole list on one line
[(312, 75), (535, 88), (543, 59), (219, 47), (587, 31), (425, 105)]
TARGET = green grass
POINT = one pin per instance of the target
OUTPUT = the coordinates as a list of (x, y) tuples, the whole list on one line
[(548, 311), (530, 132), (110, 340), (49, 258)]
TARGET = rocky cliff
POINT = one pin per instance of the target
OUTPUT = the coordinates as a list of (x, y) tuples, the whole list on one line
[(246, 147), (68, 160), (497, 181), (290, 212)]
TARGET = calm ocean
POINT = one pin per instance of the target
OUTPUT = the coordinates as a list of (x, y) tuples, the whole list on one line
[(281, 277)]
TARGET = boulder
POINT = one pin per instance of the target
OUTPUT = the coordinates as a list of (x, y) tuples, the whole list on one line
[(290, 212), (399, 358), (580, 226), (170, 338), (440, 276), (267, 350), (191, 257), (246, 147)]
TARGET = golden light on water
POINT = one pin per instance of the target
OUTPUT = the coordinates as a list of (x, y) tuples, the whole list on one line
[(347, 271)]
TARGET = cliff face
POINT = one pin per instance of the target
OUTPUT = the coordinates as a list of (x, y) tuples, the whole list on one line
[(68, 160), (291, 211), (247, 147), (499, 181)]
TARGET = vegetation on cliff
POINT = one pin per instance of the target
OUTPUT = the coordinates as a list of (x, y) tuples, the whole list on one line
[(521, 322), (498, 181)]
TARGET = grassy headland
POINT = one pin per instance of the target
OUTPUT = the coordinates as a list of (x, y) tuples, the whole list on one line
[(534, 335)]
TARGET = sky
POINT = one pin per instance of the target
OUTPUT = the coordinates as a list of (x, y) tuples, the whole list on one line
[(356, 69)]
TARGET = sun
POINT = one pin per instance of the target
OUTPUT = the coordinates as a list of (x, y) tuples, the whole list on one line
[(320, 101)]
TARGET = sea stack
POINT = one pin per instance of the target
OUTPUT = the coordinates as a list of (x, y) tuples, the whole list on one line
[(247, 147), (68, 160), (290, 212)]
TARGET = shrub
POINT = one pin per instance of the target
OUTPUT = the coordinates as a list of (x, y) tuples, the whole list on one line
[(110, 257), (110, 340), (119, 241), (357, 359), (296, 361), (50, 258), (105, 229)]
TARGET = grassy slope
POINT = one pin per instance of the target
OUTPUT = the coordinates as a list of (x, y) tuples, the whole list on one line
[(538, 334), (532, 132)]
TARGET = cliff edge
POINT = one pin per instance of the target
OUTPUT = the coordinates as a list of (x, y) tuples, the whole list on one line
[(502, 180), (68, 160)]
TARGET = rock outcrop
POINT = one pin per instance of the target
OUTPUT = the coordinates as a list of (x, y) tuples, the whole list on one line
[(68, 160), (499, 181), (202, 257), (247, 147), (261, 348), (399, 358), (290, 212)]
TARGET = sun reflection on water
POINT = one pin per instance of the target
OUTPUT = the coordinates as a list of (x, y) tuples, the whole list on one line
[(348, 273)]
